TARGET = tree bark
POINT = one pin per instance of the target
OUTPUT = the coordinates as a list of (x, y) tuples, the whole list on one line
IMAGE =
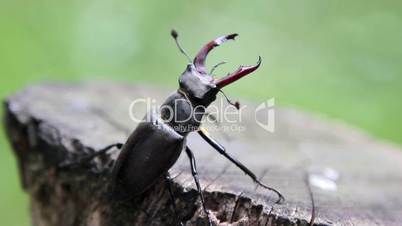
[(354, 179)]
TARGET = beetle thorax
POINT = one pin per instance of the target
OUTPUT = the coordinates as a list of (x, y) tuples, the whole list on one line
[(181, 113)]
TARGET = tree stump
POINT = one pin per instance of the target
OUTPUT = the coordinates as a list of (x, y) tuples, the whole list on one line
[(352, 178)]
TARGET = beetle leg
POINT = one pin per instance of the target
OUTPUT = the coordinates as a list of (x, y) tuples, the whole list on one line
[(217, 146), (88, 158), (197, 182), (168, 181)]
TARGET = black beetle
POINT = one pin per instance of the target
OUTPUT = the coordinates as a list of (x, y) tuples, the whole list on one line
[(160, 138)]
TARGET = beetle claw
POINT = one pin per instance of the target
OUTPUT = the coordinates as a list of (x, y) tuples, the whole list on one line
[(199, 60), (239, 73)]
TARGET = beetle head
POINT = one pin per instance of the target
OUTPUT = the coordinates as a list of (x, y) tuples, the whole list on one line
[(198, 84)]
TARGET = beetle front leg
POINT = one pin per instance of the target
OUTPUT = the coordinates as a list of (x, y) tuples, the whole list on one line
[(217, 146), (197, 182), (88, 158)]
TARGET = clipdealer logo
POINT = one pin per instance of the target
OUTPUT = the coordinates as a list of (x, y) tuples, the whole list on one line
[(227, 116), (264, 115)]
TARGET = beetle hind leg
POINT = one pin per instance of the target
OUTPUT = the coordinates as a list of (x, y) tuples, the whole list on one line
[(168, 181), (88, 158), (197, 182)]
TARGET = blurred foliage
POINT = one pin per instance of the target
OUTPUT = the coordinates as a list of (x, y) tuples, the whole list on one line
[(338, 58)]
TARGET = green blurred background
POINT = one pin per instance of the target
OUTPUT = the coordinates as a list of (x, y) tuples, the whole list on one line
[(336, 58)]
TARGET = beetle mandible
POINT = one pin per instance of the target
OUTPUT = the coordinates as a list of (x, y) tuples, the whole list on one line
[(160, 138)]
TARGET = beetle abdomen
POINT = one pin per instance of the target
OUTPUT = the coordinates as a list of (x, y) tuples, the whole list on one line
[(148, 153)]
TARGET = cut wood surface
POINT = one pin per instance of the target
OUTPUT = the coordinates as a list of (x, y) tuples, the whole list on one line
[(353, 178)]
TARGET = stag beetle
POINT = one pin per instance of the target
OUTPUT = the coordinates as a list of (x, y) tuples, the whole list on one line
[(156, 143)]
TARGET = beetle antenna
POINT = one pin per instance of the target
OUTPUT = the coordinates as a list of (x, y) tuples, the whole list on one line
[(175, 35), (235, 104), (216, 65)]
